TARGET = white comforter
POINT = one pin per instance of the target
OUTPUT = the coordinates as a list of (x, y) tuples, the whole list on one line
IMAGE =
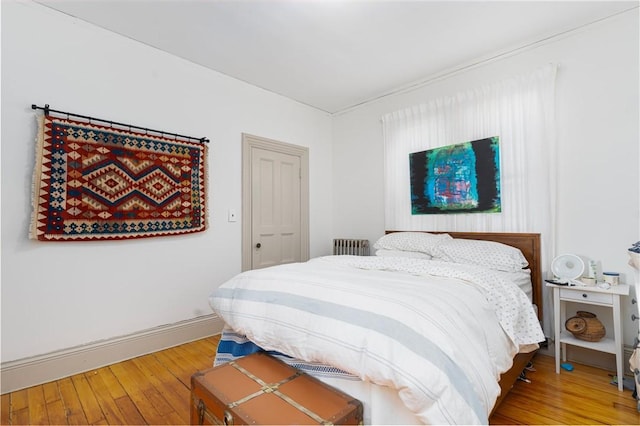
[(439, 333)]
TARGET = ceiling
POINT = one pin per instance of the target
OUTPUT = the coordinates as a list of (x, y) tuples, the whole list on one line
[(334, 55)]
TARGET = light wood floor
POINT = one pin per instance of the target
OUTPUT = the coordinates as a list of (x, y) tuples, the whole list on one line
[(582, 396), (151, 389), (154, 389)]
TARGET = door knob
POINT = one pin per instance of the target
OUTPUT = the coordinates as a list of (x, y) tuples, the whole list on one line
[(258, 245)]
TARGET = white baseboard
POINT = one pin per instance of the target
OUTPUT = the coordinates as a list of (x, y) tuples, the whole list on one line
[(27, 372)]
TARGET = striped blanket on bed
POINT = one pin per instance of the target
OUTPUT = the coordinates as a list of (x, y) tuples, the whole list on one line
[(440, 334)]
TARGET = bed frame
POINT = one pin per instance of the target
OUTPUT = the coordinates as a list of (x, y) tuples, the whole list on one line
[(529, 245)]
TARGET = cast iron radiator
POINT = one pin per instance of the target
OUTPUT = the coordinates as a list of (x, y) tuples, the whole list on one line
[(351, 246)]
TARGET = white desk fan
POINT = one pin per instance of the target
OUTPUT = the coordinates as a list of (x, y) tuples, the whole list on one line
[(568, 268)]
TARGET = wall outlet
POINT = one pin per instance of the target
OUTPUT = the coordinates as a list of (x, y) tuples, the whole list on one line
[(232, 216)]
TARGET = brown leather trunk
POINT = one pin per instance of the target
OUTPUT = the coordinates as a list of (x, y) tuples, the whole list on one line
[(260, 389)]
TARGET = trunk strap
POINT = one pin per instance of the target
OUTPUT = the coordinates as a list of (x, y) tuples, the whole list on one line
[(273, 388)]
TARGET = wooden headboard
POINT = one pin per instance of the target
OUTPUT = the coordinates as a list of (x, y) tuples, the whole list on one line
[(528, 244)]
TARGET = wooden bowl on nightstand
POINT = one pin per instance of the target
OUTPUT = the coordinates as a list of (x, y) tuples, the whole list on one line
[(585, 326)]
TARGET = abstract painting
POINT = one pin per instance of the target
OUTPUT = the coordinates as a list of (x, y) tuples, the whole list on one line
[(460, 178)]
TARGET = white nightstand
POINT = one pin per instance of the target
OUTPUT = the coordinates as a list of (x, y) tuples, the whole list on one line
[(591, 296)]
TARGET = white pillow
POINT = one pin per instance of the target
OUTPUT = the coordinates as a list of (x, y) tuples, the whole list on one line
[(400, 253), (485, 253), (422, 242)]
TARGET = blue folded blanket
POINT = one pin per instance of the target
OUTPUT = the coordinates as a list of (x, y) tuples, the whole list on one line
[(234, 345)]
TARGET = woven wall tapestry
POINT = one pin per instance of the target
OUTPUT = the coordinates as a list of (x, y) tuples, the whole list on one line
[(101, 183)]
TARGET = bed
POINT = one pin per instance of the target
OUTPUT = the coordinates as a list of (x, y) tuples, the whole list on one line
[(433, 329)]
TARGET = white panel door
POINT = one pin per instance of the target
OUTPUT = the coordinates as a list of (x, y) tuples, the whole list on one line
[(275, 208)]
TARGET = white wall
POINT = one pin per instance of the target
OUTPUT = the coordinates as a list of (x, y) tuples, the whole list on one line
[(597, 140), (58, 295)]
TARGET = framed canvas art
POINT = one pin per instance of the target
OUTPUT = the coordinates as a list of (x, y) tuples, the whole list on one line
[(460, 178)]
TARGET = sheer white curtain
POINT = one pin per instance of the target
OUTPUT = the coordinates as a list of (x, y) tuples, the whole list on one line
[(520, 110)]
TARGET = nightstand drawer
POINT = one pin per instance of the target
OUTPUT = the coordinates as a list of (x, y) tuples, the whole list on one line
[(585, 296)]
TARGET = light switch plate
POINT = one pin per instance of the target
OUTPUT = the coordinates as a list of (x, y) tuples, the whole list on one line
[(232, 216)]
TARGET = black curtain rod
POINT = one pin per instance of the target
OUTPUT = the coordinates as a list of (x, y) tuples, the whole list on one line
[(47, 110)]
